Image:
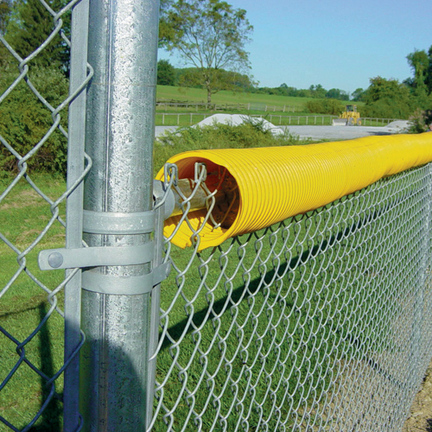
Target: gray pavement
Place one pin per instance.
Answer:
(339, 132)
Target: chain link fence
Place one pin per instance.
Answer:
(36, 342)
(320, 322)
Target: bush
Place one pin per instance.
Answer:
(325, 106)
(25, 120)
(421, 121)
(387, 108)
(246, 135)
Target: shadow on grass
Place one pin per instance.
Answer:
(51, 416)
(217, 307)
(429, 425)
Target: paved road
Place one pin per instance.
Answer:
(320, 132)
(339, 132)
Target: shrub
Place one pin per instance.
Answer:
(421, 121)
(246, 135)
(25, 120)
(387, 108)
(325, 106)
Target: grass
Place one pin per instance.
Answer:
(262, 329)
(171, 93)
(281, 110)
(23, 306)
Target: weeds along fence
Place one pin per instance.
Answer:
(187, 119)
(310, 319)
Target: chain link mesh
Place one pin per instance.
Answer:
(32, 218)
(321, 322)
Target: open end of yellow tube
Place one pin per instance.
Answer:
(212, 226)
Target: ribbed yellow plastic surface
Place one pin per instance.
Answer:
(278, 182)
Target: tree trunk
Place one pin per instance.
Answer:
(209, 92)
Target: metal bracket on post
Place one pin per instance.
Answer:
(107, 223)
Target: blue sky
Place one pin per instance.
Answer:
(335, 43)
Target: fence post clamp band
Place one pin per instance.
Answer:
(110, 223)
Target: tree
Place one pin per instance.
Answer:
(31, 27)
(166, 32)
(387, 99)
(318, 91)
(221, 79)
(210, 35)
(24, 121)
(358, 95)
(419, 63)
(335, 93)
(165, 73)
(428, 79)
(4, 15)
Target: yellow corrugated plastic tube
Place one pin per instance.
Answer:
(275, 183)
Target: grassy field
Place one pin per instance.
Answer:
(279, 110)
(170, 93)
(24, 289)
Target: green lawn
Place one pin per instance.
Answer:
(277, 317)
(170, 93)
(23, 215)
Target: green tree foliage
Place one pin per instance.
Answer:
(31, 26)
(358, 94)
(339, 94)
(419, 63)
(210, 35)
(24, 120)
(428, 78)
(4, 15)
(222, 79)
(325, 106)
(387, 99)
(167, 31)
(318, 91)
(166, 74)
(5, 11)
(314, 91)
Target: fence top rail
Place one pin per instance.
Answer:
(275, 183)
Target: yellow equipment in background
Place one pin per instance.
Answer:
(349, 117)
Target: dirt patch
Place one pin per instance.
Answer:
(25, 198)
(420, 419)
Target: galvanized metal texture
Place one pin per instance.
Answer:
(119, 139)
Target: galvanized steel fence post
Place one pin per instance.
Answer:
(76, 142)
(117, 214)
